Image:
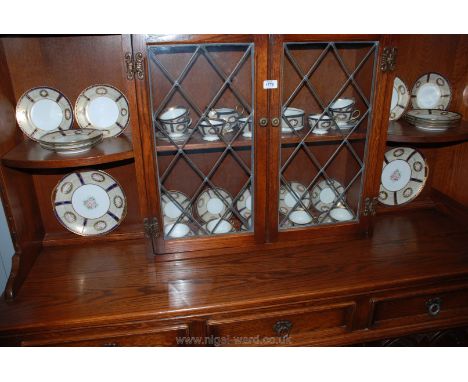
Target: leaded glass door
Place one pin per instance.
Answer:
(325, 104)
(203, 107)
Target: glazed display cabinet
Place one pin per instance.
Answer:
(305, 188)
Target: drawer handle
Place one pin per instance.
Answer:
(110, 344)
(282, 328)
(433, 306)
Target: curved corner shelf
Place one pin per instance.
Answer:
(29, 154)
(404, 132)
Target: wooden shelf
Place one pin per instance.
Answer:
(404, 132)
(29, 154)
(330, 137)
(198, 143)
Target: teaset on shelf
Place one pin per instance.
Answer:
(174, 123)
(213, 208)
(342, 114)
(45, 115)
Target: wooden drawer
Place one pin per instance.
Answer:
(281, 327)
(418, 307)
(157, 337)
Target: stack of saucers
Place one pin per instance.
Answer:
(433, 119)
(71, 141)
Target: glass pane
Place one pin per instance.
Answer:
(202, 107)
(327, 93)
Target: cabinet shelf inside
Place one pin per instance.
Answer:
(329, 137)
(29, 154)
(404, 132)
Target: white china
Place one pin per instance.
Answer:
(174, 114)
(288, 199)
(341, 214)
(300, 217)
(218, 226)
(211, 129)
(42, 110)
(245, 124)
(177, 129)
(320, 123)
(244, 204)
(173, 204)
(400, 99)
(102, 107)
(176, 230)
(324, 194)
(71, 141)
(431, 91)
(213, 205)
(292, 120)
(89, 203)
(343, 104)
(230, 116)
(433, 119)
(343, 112)
(403, 176)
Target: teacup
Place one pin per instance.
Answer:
(343, 111)
(174, 114)
(229, 115)
(176, 230)
(320, 123)
(212, 128)
(245, 124)
(176, 129)
(293, 119)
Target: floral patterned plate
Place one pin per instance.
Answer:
(89, 203)
(403, 176)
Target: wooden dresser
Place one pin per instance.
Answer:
(390, 276)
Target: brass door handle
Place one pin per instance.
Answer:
(263, 121)
(275, 122)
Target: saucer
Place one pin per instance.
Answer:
(300, 217)
(211, 205)
(341, 214)
(219, 226)
(177, 230)
(324, 194)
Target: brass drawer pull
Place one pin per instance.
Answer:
(263, 122)
(275, 122)
(433, 306)
(282, 328)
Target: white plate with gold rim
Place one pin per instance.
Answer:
(218, 226)
(89, 203)
(173, 204)
(42, 110)
(431, 91)
(403, 176)
(290, 196)
(400, 99)
(325, 193)
(177, 230)
(102, 107)
(213, 205)
(244, 204)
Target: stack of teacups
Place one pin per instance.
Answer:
(344, 112)
(175, 121)
(230, 116)
(212, 128)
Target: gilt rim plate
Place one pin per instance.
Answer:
(287, 200)
(210, 206)
(89, 203)
(244, 204)
(42, 110)
(431, 91)
(404, 175)
(400, 99)
(103, 107)
(171, 211)
(324, 194)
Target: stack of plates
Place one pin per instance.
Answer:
(71, 141)
(433, 119)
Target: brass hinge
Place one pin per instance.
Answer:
(369, 206)
(134, 66)
(388, 59)
(151, 227)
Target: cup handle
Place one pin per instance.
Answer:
(240, 110)
(355, 115)
(190, 122)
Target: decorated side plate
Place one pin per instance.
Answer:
(324, 194)
(172, 207)
(431, 91)
(102, 107)
(400, 99)
(288, 199)
(71, 141)
(42, 110)
(213, 205)
(403, 176)
(244, 204)
(89, 203)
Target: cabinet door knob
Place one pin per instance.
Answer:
(433, 306)
(275, 122)
(282, 328)
(263, 122)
